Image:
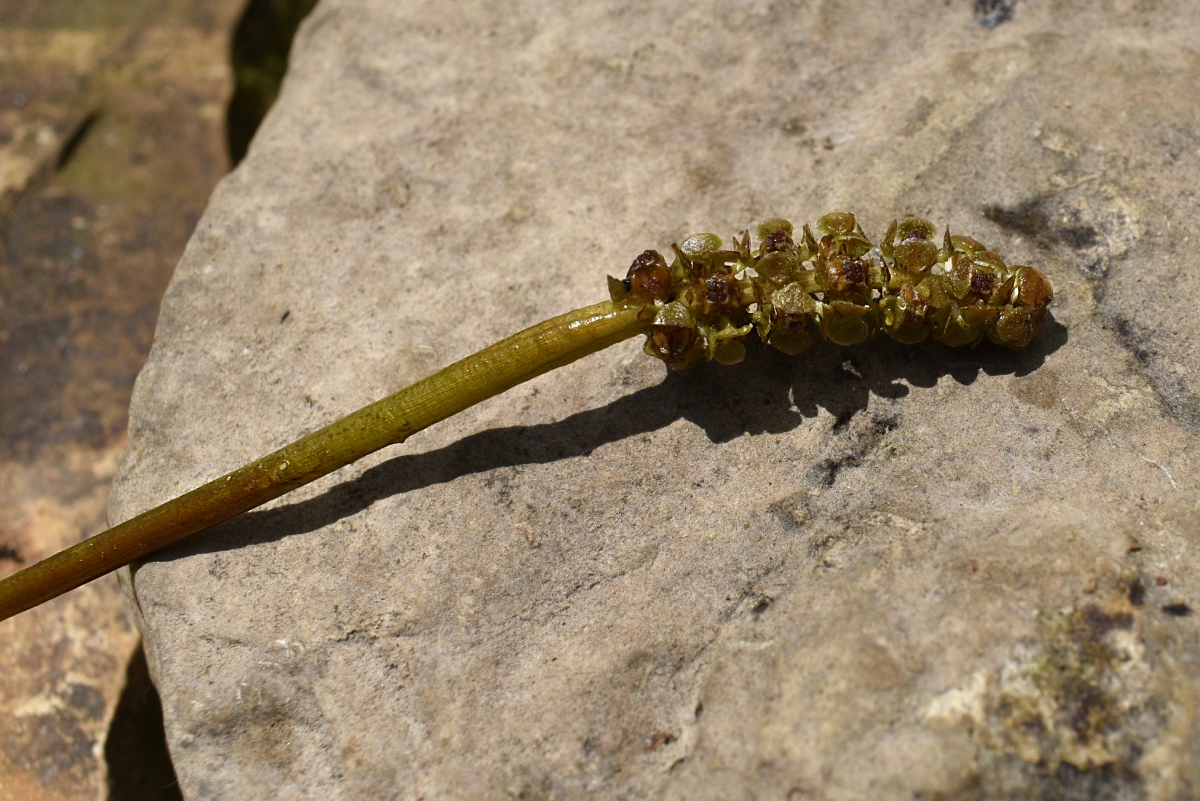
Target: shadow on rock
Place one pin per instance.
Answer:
(769, 392)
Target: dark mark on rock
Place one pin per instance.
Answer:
(992, 13)
(866, 441)
(828, 470)
(1068, 718)
(658, 740)
(1178, 401)
(1099, 622)
(85, 700)
(759, 608)
(11, 554)
(75, 139)
(1136, 592)
(794, 127)
(844, 419)
(1032, 218)
(1177, 610)
(1104, 782)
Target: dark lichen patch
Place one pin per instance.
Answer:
(658, 740)
(531, 788)
(1135, 340)
(1040, 389)
(1177, 610)
(794, 126)
(1098, 622)
(918, 117)
(1006, 776)
(1072, 713)
(993, 13)
(865, 439)
(1035, 219)
(82, 129)
(1177, 399)
(792, 511)
(51, 746)
(1135, 591)
(844, 419)
(56, 743)
(827, 471)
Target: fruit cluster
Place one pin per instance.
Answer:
(836, 283)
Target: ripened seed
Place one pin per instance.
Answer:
(775, 242)
(674, 335)
(1016, 328)
(791, 344)
(779, 268)
(791, 309)
(648, 278)
(915, 228)
(854, 272)
(672, 342)
(1033, 289)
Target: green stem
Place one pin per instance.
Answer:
(544, 347)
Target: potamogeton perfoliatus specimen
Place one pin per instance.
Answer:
(701, 305)
(839, 287)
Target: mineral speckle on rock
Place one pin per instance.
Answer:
(936, 574)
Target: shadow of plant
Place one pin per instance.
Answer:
(769, 392)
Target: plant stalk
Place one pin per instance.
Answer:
(495, 369)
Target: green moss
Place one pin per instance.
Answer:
(1069, 702)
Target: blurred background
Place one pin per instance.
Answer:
(117, 118)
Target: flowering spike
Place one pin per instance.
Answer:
(842, 289)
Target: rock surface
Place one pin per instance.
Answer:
(110, 142)
(883, 572)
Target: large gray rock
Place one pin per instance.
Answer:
(916, 573)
